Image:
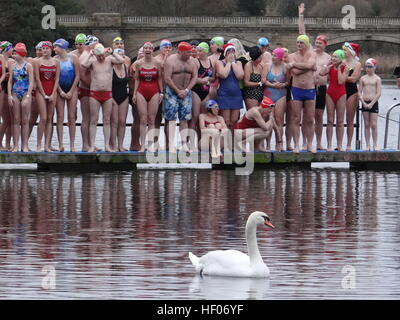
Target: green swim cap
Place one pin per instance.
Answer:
(219, 41)
(204, 46)
(80, 38)
(340, 54)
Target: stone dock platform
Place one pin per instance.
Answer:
(104, 161)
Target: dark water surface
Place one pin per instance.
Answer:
(127, 235)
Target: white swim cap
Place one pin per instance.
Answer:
(99, 49)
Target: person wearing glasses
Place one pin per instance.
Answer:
(79, 44)
(369, 94)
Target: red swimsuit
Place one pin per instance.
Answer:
(148, 84)
(48, 78)
(245, 123)
(335, 90)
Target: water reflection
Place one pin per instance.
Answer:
(127, 235)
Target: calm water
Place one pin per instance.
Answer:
(127, 235)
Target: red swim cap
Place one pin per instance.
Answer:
(47, 44)
(20, 49)
(322, 38)
(184, 46)
(267, 103)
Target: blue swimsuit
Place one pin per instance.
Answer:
(21, 81)
(229, 95)
(67, 74)
(273, 93)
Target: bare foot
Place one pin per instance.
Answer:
(321, 148)
(48, 149)
(348, 148)
(289, 148)
(62, 149)
(376, 148)
(73, 149)
(367, 148)
(312, 150)
(38, 148)
(296, 150)
(91, 150)
(142, 149)
(340, 148)
(108, 149)
(121, 149)
(304, 147)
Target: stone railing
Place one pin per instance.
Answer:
(249, 21)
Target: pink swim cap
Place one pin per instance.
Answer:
(279, 53)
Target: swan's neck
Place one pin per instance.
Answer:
(252, 247)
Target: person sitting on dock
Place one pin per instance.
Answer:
(369, 94)
(213, 128)
(255, 126)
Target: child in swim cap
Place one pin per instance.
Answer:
(370, 90)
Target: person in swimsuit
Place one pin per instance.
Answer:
(302, 66)
(6, 49)
(275, 77)
(34, 115)
(67, 91)
(213, 130)
(323, 59)
(352, 100)
(135, 130)
(47, 74)
(369, 94)
(101, 66)
(2, 93)
(84, 90)
(253, 86)
(180, 76)
(201, 90)
(255, 126)
(336, 97)
(288, 121)
(263, 44)
(120, 104)
(165, 52)
(216, 49)
(20, 84)
(80, 40)
(148, 95)
(229, 95)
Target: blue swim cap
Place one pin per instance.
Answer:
(263, 42)
(211, 104)
(61, 43)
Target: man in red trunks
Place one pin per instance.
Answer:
(101, 67)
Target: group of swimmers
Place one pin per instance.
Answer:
(202, 85)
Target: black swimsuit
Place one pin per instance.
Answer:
(351, 88)
(119, 87)
(202, 90)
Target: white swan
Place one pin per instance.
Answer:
(233, 263)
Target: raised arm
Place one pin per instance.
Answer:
(302, 26)
(87, 62)
(3, 69)
(356, 74)
(116, 58)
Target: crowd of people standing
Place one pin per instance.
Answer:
(203, 85)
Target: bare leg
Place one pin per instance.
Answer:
(351, 108)
(85, 126)
(71, 106)
(340, 112)
(135, 130)
(41, 103)
(49, 125)
(122, 114)
(60, 121)
(114, 125)
(367, 130)
(141, 103)
(107, 109)
(330, 108)
(94, 119)
(296, 108)
(25, 115)
(319, 125)
(309, 124)
(152, 111)
(16, 126)
(374, 128)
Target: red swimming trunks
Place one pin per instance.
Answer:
(82, 92)
(48, 78)
(101, 96)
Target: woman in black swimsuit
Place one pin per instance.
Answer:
(120, 104)
(352, 100)
(253, 88)
(201, 89)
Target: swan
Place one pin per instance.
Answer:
(233, 263)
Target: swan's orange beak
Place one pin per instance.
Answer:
(269, 224)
